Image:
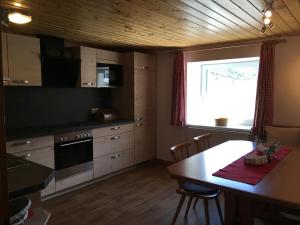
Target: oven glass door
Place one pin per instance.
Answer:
(73, 153)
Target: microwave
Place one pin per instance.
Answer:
(109, 75)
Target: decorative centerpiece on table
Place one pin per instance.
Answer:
(262, 154)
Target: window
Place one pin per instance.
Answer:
(222, 88)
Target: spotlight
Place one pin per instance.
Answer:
(19, 18)
(268, 13)
(267, 21)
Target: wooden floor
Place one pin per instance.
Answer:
(143, 196)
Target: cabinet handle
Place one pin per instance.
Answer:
(20, 81)
(115, 156)
(22, 143)
(88, 84)
(143, 67)
(115, 128)
(139, 124)
(26, 156)
(115, 138)
(139, 118)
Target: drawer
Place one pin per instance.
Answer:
(44, 156)
(122, 160)
(110, 163)
(29, 144)
(113, 143)
(112, 130)
(49, 189)
(102, 166)
(74, 180)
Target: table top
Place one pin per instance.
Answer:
(25, 177)
(280, 186)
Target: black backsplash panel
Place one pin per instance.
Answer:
(36, 106)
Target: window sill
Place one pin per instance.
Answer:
(221, 128)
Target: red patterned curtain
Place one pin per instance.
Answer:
(263, 115)
(179, 91)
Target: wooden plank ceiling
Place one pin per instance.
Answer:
(156, 23)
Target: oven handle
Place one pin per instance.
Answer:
(74, 143)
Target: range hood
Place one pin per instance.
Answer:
(59, 68)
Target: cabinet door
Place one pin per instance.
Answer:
(24, 64)
(4, 59)
(144, 94)
(144, 61)
(102, 166)
(88, 66)
(109, 57)
(145, 141)
(145, 111)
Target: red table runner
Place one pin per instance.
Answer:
(250, 174)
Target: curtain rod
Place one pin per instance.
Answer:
(277, 41)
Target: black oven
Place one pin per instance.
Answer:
(73, 153)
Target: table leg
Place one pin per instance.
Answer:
(230, 208)
(246, 211)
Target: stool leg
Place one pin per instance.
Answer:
(178, 208)
(188, 207)
(195, 203)
(206, 212)
(219, 211)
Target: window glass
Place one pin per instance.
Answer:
(222, 89)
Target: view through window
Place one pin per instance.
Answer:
(222, 88)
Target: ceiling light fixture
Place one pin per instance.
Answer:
(267, 21)
(263, 29)
(19, 18)
(267, 14)
(17, 4)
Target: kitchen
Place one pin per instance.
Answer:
(86, 112)
(95, 94)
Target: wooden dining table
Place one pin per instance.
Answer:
(280, 187)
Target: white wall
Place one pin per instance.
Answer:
(287, 83)
(286, 94)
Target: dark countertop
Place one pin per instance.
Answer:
(30, 132)
(25, 177)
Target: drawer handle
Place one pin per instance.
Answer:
(144, 67)
(139, 118)
(22, 143)
(115, 138)
(115, 128)
(115, 156)
(26, 156)
(139, 124)
(88, 83)
(20, 81)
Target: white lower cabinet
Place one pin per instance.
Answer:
(45, 157)
(49, 189)
(104, 165)
(74, 180)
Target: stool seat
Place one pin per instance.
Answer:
(19, 210)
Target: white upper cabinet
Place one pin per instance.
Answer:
(21, 60)
(109, 57)
(88, 66)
